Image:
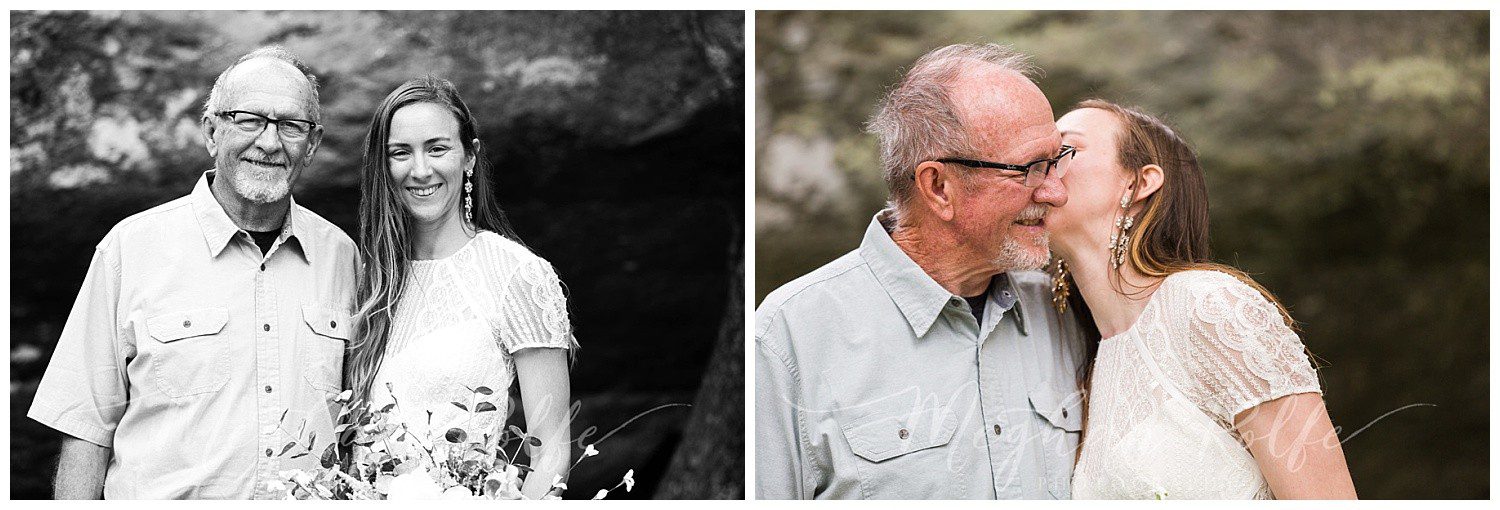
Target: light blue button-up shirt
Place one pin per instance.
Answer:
(873, 381)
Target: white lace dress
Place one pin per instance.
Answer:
(457, 326)
(1164, 393)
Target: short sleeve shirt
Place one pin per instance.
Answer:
(874, 382)
(198, 359)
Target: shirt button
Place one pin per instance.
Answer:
(997, 429)
(333, 324)
(262, 267)
(268, 390)
(1065, 413)
(268, 452)
(903, 434)
(266, 327)
(187, 324)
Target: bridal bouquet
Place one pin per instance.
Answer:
(383, 459)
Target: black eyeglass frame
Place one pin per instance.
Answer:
(229, 115)
(1026, 169)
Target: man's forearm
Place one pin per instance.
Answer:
(80, 470)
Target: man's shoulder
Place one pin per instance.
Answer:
(169, 215)
(837, 276)
(323, 230)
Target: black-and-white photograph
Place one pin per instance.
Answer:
(377, 255)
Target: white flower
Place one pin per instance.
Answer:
(629, 480)
(414, 485)
(557, 483)
(601, 494)
(589, 451)
(458, 492)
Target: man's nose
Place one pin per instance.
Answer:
(1051, 192)
(269, 140)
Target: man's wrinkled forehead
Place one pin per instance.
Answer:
(267, 75)
(999, 105)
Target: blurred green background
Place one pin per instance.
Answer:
(618, 144)
(1347, 159)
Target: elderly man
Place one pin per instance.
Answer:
(209, 331)
(928, 363)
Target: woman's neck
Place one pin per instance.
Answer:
(1114, 311)
(440, 239)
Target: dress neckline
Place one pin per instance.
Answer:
(1151, 301)
(461, 249)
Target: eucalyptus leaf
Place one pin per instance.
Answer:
(533, 441)
(330, 455)
(460, 405)
(484, 390)
(287, 448)
(456, 435)
(483, 407)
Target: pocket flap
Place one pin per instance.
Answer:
(177, 325)
(329, 323)
(1063, 407)
(886, 435)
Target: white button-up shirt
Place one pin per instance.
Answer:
(186, 345)
(874, 382)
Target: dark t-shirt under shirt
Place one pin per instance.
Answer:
(264, 239)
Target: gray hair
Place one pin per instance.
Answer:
(216, 95)
(917, 122)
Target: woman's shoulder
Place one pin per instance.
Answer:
(500, 257)
(1197, 284)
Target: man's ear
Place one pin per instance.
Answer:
(934, 189)
(1151, 180)
(314, 139)
(207, 127)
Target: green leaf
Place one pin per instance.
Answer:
(460, 405)
(456, 435)
(387, 408)
(303, 454)
(484, 390)
(286, 448)
(483, 407)
(533, 441)
(311, 438)
(282, 419)
(330, 454)
(517, 431)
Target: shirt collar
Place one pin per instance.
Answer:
(916, 294)
(219, 230)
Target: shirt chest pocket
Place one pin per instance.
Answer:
(190, 355)
(323, 339)
(1060, 410)
(896, 444)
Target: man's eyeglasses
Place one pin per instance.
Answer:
(1033, 173)
(254, 123)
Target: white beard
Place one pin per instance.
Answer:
(1018, 257)
(257, 189)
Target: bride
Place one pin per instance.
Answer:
(1198, 386)
(450, 300)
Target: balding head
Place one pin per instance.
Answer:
(267, 63)
(923, 118)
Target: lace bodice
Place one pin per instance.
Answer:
(456, 326)
(1164, 393)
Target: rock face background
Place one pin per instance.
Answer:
(1347, 159)
(618, 142)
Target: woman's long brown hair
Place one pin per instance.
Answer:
(384, 229)
(1171, 236)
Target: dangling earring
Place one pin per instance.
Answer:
(1119, 241)
(1060, 287)
(469, 196)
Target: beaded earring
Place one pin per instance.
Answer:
(1119, 241)
(469, 195)
(1060, 287)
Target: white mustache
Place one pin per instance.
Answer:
(1033, 212)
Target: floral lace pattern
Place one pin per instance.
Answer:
(1165, 392)
(457, 326)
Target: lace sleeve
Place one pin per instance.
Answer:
(1239, 351)
(533, 311)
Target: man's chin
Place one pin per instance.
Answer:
(259, 191)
